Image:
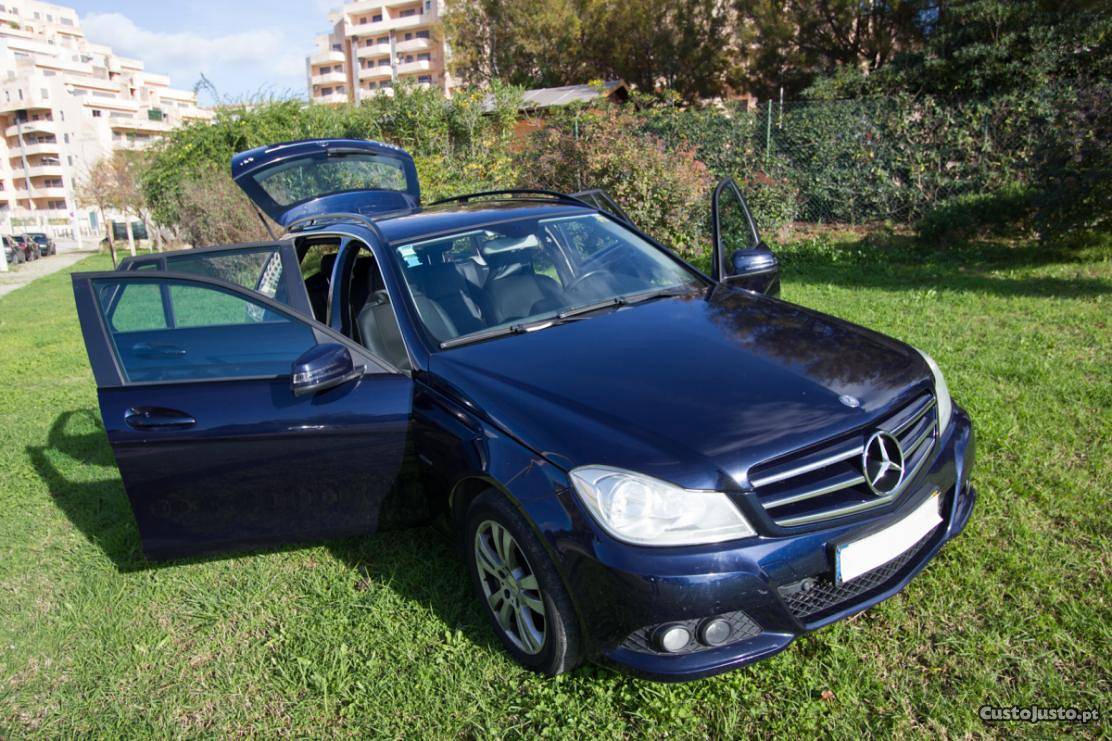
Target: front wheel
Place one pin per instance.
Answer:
(523, 594)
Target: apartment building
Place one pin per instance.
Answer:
(374, 45)
(64, 104)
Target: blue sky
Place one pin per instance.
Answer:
(244, 47)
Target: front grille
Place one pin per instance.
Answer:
(826, 481)
(742, 628)
(823, 594)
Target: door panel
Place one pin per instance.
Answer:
(215, 451)
(268, 268)
(259, 466)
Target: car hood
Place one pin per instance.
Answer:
(692, 389)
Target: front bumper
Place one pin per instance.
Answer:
(619, 589)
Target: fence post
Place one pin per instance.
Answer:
(768, 134)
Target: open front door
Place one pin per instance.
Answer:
(215, 449)
(740, 256)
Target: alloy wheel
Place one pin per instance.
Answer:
(510, 586)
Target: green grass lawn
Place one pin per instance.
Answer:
(382, 636)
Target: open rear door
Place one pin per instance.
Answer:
(268, 268)
(215, 449)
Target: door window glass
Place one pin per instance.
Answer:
(735, 229)
(170, 330)
(258, 269)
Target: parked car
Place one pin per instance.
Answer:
(676, 472)
(45, 244)
(13, 253)
(29, 249)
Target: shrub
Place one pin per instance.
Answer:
(1009, 210)
(666, 191)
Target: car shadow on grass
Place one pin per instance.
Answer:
(417, 563)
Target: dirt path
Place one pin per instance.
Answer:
(20, 275)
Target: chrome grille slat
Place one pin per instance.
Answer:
(811, 493)
(915, 418)
(799, 471)
(823, 485)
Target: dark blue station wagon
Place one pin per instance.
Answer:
(675, 472)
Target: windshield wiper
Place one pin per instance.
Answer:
(632, 298)
(486, 334)
(594, 306)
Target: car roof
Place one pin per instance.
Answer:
(453, 217)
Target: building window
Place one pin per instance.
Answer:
(426, 57)
(337, 47)
(408, 36)
(408, 58)
(425, 79)
(384, 63)
(97, 112)
(66, 138)
(362, 20)
(326, 91)
(377, 18)
(407, 12)
(384, 39)
(422, 34)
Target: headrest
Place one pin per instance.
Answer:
(440, 280)
(507, 245)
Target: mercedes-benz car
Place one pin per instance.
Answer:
(673, 471)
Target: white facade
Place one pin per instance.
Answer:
(65, 103)
(373, 45)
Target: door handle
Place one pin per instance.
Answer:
(146, 350)
(157, 418)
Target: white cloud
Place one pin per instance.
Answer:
(245, 62)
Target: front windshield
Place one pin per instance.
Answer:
(529, 270)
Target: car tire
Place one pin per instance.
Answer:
(491, 514)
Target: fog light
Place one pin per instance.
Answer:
(673, 638)
(714, 632)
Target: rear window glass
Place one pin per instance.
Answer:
(310, 177)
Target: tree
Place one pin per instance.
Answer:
(789, 43)
(128, 167)
(681, 44)
(97, 189)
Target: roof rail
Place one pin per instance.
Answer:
(523, 193)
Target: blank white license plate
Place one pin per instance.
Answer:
(851, 560)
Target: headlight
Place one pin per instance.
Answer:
(941, 392)
(646, 511)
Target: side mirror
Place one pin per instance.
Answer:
(322, 367)
(756, 269)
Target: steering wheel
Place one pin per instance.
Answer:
(575, 283)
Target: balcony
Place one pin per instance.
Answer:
(415, 67)
(42, 171)
(138, 123)
(388, 24)
(329, 78)
(30, 148)
(414, 45)
(374, 50)
(326, 57)
(376, 73)
(55, 192)
(332, 99)
(31, 127)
